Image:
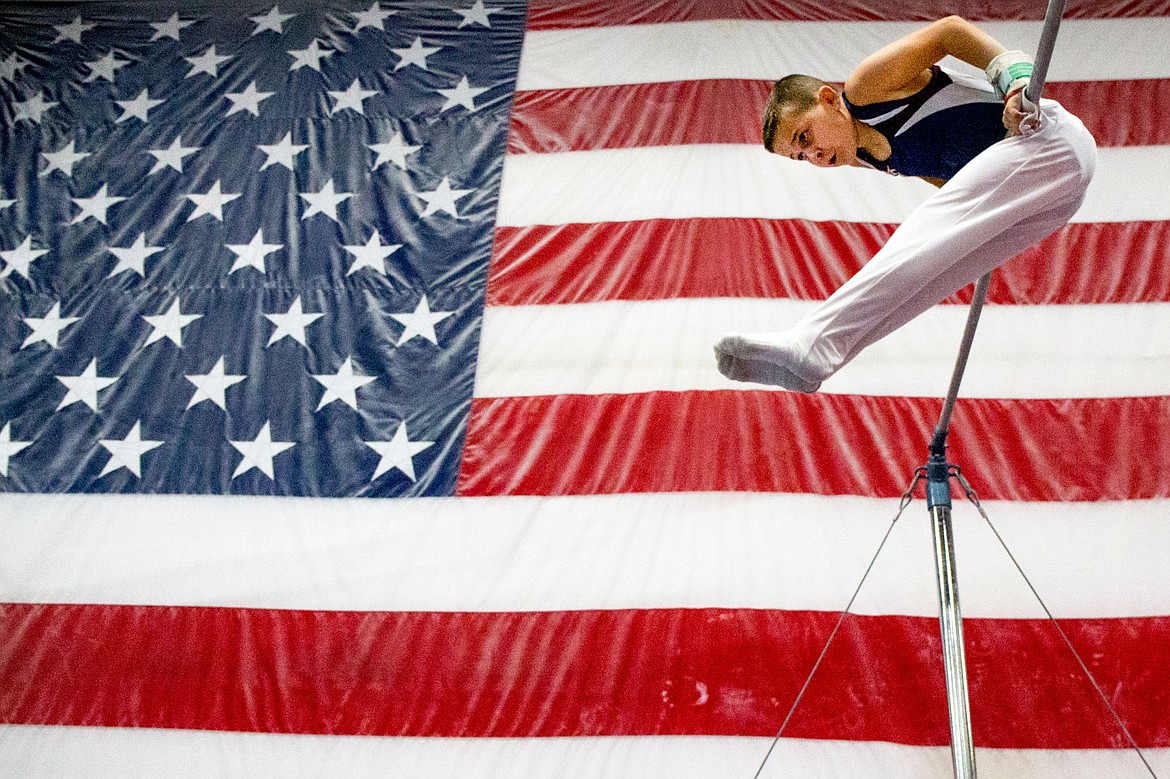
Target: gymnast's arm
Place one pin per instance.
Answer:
(901, 68)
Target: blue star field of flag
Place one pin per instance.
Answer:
(243, 247)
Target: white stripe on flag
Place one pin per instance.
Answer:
(84, 753)
(1089, 50)
(652, 550)
(731, 180)
(1103, 350)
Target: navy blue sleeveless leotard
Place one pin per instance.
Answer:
(937, 130)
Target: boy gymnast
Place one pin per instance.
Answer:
(903, 114)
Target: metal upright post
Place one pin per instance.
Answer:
(938, 476)
(1044, 51)
(938, 501)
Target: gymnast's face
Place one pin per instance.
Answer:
(823, 135)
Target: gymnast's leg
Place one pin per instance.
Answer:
(767, 369)
(1013, 195)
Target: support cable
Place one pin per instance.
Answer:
(907, 497)
(971, 496)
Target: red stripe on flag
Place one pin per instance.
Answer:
(729, 672)
(669, 113)
(1050, 450)
(672, 258)
(1094, 102)
(699, 258)
(555, 14)
(729, 111)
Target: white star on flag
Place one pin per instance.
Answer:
(4, 203)
(170, 324)
(463, 94)
(133, 257)
(281, 153)
(172, 156)
(33, 108)
(394, 150)
(207, 62)
(127, 452)
(104, 67)
(259, 452)
(420, 322)
(251, 254)
(415, 55)
(8, 447)
(47, 328)
(72, 31)
(351, 98)
(310, 57)
(20, 258)
(373, 16)
(342, 385)
(12, 65)
(371, 255)
(170, 28)
(273, 20)
(211, 202)
(397, 453)
(476, 14)
(443, 198)
(248, 100)
(291, 324)
(138, 108)
(210, 386)
(95, 206)
(84, 388)
(63, 159)
(324, 202)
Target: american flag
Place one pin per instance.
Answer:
(359, 417)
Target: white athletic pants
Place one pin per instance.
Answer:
(1010, 197)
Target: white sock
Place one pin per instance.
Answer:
(763, 361)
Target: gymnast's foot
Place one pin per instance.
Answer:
(743, 358)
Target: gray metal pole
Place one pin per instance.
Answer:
(954, 658)
(950, 617)
(938, 491)
(944, 419)
(1031, 95)
(1044, 51)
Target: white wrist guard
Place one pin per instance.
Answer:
(1009, 71)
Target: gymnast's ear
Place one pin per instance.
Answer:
(826, 94)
